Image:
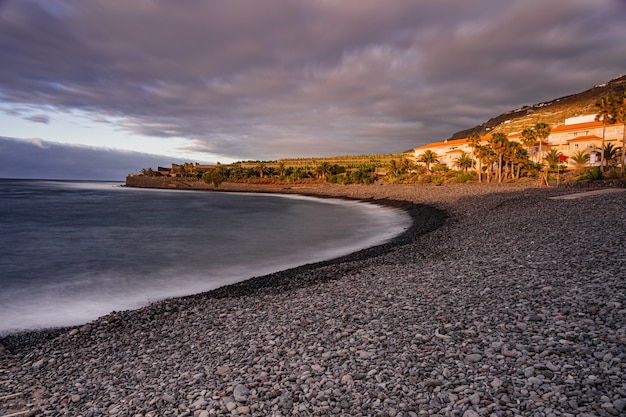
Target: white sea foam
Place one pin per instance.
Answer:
(72, 252)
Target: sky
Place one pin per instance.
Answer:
(125, 85)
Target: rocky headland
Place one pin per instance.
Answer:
(500, 301)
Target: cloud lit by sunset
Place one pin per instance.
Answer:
(233, 80)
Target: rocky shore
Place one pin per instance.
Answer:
(499, 302)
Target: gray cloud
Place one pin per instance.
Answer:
(38, 159)
(278, 78)
(39, 118)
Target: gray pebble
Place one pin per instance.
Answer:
(503, 309)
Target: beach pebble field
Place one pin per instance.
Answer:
(500, 301)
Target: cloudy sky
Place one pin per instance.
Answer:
(166, 81)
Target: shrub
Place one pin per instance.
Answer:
(533, 169)
(440, 168)
(419, 169)
(592, 174)
(438, 180)
(464, 177)
(213, 176)
(332, 178)
(423, 179)
(613, 173)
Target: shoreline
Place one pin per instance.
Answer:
(434, 209)
(424, 219)
(435, 213)
(513, 306)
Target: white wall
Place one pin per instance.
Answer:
(580, 119)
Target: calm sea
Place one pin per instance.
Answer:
(73, 251)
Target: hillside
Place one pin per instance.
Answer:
(347, 160)
(553, 112)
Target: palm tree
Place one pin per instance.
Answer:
(512, 156)
(605, 111)
(282, 170)
(508, 159)
(481, 153)
(428, 157)
(520, 157)
(393, 168)
(405, 164)
(529, 138)
(261, 168)
(464, 161)
(488, 157)
(553, 157)
(322, 169)
(147, 172)
(542, 131)
(499, 143)
(619, 116)
(610, 153)
(580, 158)
(473, 140)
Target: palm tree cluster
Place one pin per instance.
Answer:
(503, 158)
(536, 136)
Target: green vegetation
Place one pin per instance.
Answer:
(149, 172)
(553, 158)
(429, 157)
(215, 176)
(361, 169)
(611, 154)
(464, 161)
(593, 174)
(580, 158)
(499, 159)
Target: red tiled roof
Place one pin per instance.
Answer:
(577, 126)
(453, 142)
(584, 138)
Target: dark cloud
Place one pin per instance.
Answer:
(39, 118)
(37, 159)
(277, 78)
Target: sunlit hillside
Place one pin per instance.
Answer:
(553, 112)
(346, 160)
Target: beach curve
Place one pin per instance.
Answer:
(479, 315)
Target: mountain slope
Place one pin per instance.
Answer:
(553, 112)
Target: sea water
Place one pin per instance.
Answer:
(73, 251)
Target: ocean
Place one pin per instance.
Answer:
(73, 251)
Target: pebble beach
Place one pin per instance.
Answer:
(501, 300)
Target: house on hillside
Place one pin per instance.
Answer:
(581, 133)
(585, 136)
(447, 151)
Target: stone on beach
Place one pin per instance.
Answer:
(513, 306)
